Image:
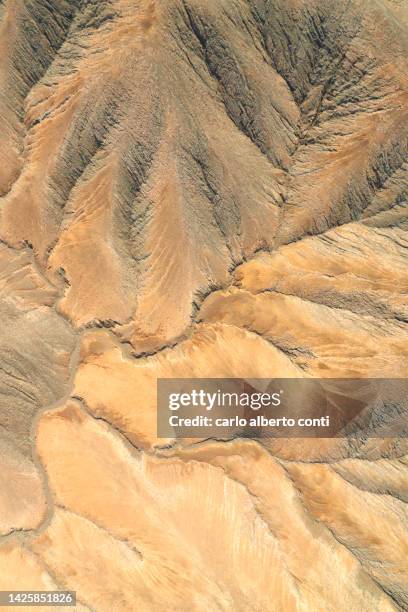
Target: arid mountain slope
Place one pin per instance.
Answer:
(199, 188)
(165, 142)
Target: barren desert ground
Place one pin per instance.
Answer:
(200, 189)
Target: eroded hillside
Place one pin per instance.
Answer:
(199, 188)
